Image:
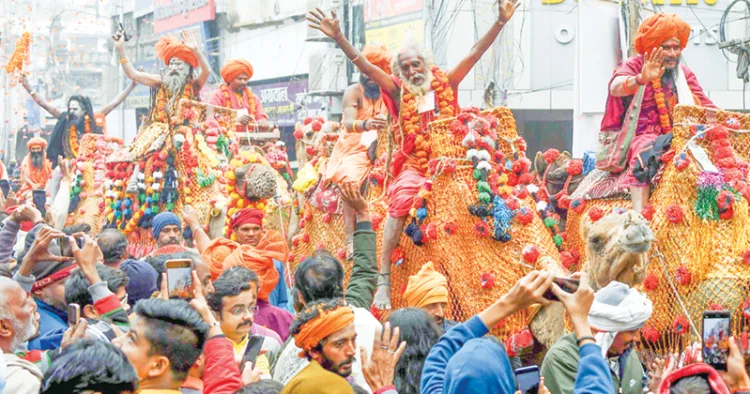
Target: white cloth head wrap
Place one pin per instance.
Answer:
(617, 308)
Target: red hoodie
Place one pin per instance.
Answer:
(714, 379)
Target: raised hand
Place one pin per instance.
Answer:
(736, 375)
(25, 83)
(529, 290)
(64, 169)
(329, 26)
(26, 213)
(86, 255)
(351, 196)
(39, 250)
(380, 368)
(652, 65)
(507, 8)
(189, 40)
(119, 39)
(190, 216)
(74, 334)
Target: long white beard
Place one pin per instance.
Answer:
(176, 84)
(419, 91)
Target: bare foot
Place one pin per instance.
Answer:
(383, 296)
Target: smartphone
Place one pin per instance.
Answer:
(716, 336)
(40, 200)
(127, 36)
(180, 278)
(569, 285)
(5, 187)
(527, 379)
(74, 314)
(252, 350)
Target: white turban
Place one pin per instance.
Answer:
(617, 308)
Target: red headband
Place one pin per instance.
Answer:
(247, 216)
(56, 277)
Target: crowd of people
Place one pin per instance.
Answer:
(128, 334)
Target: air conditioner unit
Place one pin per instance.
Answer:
(326, 6)
(327, 72)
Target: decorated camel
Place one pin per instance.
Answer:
(475, 220)
(698, 213)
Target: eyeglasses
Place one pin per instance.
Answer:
(239, 312)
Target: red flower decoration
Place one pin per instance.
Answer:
(681, 161)
(531, 253)
(481, 229)
(595, 214)
(746, 257)
(746, 309)
(376, 220)
(430, 231)
(341, 253)
(317, 125)
(668, 156)
(715, 307)
(449, 166)
(525, 216)
(327, 217)
(577, 205)
(650, 334)
(498, 157)
(564, 202)
(375, 312)
(569, 259)
(675, 214)
(525, 178)
(308, 120)
(487, 280)
(648, 212)
(574, 167)
(512, 203)
(681, 325)
(683, 275)
(651, 282)
(450, 228)
(521, 165)
(550, 155)
(520, 192)
(306, 238)
(397, 255)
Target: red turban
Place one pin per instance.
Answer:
(235, 67)
(247, 216)
(169, 47)
(249, 257)
(659, 28)
(36, 142)
(378, 56)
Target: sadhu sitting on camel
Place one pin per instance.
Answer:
(235, 94)
(417, 94)
(659, 43)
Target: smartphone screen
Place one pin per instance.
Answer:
(40, 200)
(5, 187)
(179, 278)
(716, 337)
(528, 380)
(569, 285)
(254, 345)
(74, 314)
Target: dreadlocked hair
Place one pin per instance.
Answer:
(312, 311)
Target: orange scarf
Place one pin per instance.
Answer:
(38, 176)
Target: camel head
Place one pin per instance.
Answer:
(556, 173)
(315, 139)
(617, 247)
(257, 180)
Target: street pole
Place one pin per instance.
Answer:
(120, 76)
(634, 9)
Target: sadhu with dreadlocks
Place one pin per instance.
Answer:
(79, 119)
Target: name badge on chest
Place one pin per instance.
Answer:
(427, 103)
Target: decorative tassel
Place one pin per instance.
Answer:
(502, 216)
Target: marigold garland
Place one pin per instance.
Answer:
(19, 54)
(250, 100)
(661, 106)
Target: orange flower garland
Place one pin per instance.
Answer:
(160, 115)
(415, 127)
(661, 106)
(19, 54)
(248, 93)
(73, 134)
(236, 201)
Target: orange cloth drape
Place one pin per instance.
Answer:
(658, 28)
(317, 329)
(169, 47)
(259, 259)
(426, 287)
(235, 67)
(216, 253)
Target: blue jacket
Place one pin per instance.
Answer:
(51, 321)
(593, 372)
(464, 362)
(279, 296)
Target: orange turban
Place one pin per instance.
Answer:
(169, 47)
(215, 254)
(319, 328)
(36, 142)
(378, 56)
(235, 67)
(659, 28)
(250, 257)
(426, 287)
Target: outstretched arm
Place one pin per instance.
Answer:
(330, 26)
(191, 43)
(458, 73)
(119, 99)
(141, 77)
(51, 109)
